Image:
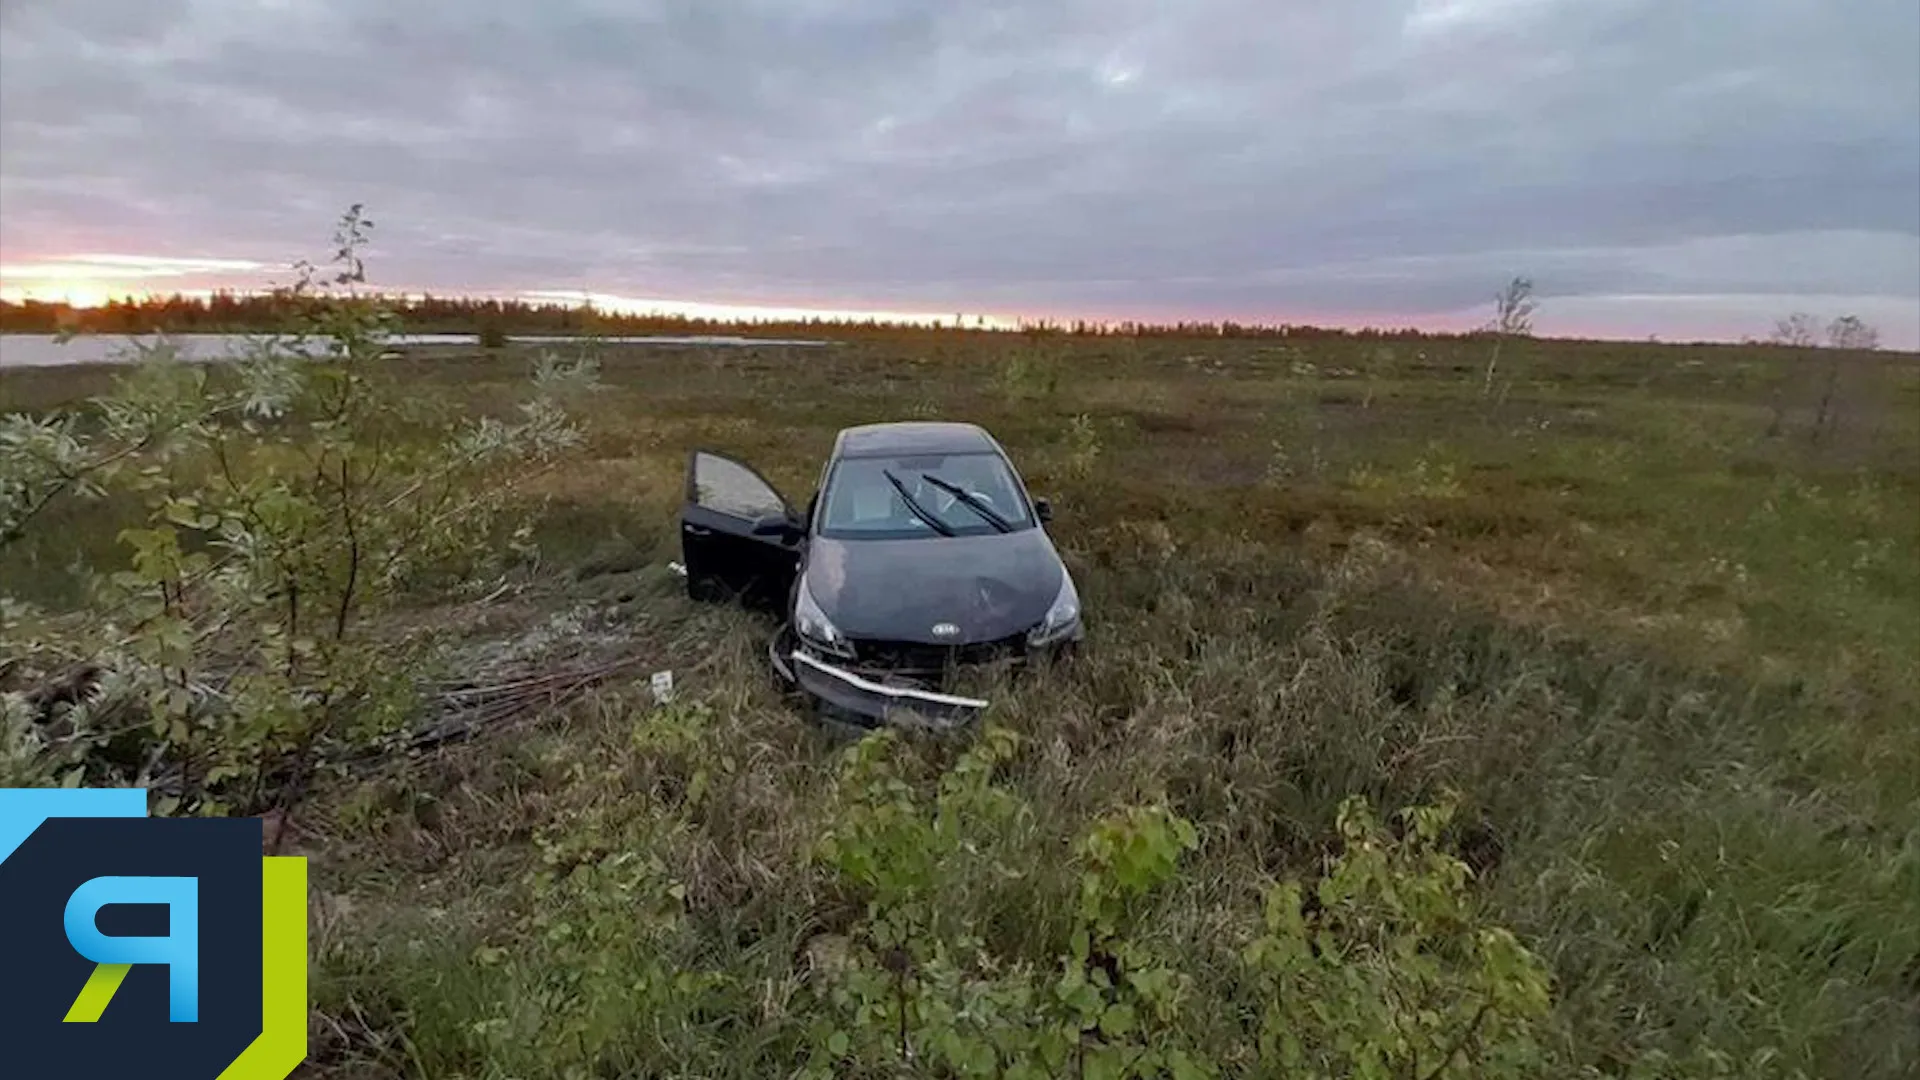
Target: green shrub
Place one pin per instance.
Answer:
(1383, 970)
(1388, 973)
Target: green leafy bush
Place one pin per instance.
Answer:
(1381, 970)
(1387, 973)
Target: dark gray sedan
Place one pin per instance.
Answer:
(920, 552)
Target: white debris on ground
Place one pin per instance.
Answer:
(601, 622)
(581, 632)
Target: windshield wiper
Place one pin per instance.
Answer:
(919, 511)
(972, 502)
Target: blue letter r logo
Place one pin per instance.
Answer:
(179, 950)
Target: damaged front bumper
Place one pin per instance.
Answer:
(869, 698)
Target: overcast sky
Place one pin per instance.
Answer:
(1677, 168)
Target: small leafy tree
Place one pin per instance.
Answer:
(1850, 332)
(1513, 309)
(1795, 331)
(1082, 438)
(1844, 334)
(287, 500)
(1847, 333)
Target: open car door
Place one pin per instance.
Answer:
(739, 538)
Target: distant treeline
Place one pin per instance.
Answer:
(246, 313)
(223, 312)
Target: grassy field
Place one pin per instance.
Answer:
(1648, 616)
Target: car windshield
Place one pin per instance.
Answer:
(922, 495)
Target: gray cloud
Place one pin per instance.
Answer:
(1371, 159)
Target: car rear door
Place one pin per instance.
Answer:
(727, 559)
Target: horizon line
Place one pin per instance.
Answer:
(743, 315)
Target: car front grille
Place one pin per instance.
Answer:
(917, 658)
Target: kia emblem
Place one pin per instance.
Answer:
(945, 629)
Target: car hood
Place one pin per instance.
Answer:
(990, 586)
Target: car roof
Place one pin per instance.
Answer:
(913, 437)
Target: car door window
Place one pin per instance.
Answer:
(728, 487)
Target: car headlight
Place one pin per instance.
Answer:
(815, 628)
(1063, 618)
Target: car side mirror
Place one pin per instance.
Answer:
(1043, 509)
(780, 526)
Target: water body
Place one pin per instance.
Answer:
(44, 350)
